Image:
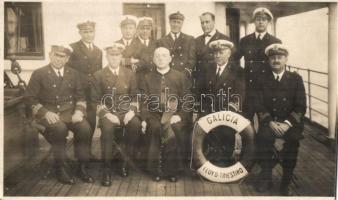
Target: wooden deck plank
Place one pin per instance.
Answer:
(161, 187)
(114, 188)
(152, 186)
(143, 185)
(124, 186)
(134, 184)
(55, 190)
(179, 187)
(198, 185)
(48, 187)
(64, 190)
(315, 170)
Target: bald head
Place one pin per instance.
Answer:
(162, 57)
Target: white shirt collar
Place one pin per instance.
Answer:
(212, 33)
(163, 71)
(88, 44)
(221, 67)
(57, 71)
(280, 75)
(142, 40)
(115, 71)
(262, 34)
(173, 35)
(125, 41)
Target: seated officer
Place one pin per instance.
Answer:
(58, 102)
(225, 81)
(281, 107)
(163, 116)
(112, 86)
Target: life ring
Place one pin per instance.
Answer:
(243, 127)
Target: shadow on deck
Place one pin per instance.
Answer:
(315, 174)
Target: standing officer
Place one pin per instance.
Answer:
(181, 46)
(225, 81)
(58, 102)
(86, 59)
(128, 29)
(163, 116)
(114, 94)
(145, 46)
(281, 108)
(252, 48)
(204, 54)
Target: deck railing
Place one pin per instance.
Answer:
(310, 73)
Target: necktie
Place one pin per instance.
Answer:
(259, 36)
(90, 47)
(127, 43)
(206, 38)
(218, 73)
(175, 36)
(59, 75)
(277, 78)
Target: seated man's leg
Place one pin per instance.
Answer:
(289, 157)
(264, 147)
(154, 159)
(82, 141)
(175, 156)
(132, 134)
(108, 130)
(56, 135)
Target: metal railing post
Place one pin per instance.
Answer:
(309, 92)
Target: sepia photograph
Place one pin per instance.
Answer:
(160, 98)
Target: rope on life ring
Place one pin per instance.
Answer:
(243, 127)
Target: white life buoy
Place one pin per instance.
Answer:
(243, 127)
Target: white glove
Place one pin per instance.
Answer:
(174, 119)
(113, 118)
(77, 116)
(129, 115)
(52, 117)
(144, 126)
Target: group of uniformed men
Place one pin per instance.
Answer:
(70, 92)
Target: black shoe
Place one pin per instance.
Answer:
(284, 191)
(264, 186)
(172, 178)
(63, 176)
(124, 169)
(106, 178)
(83, 174)
(157, 178)
(124, 172)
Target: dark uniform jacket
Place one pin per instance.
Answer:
(86, 62)
(283, 100)
(205, 55)
(231, 81)
(132, 50)
(144, 54)
(120, 88)
(256, 62)
(154, 85)
(46, 92)
(183, 52)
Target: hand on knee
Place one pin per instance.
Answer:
(112, 118)
(175, 119)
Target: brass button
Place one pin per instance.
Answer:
(274, 99)
(57, 97)
(54, 85)
(58, 106)
(250, 81)
(284, 99)
(274, 109)
(250, 70)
